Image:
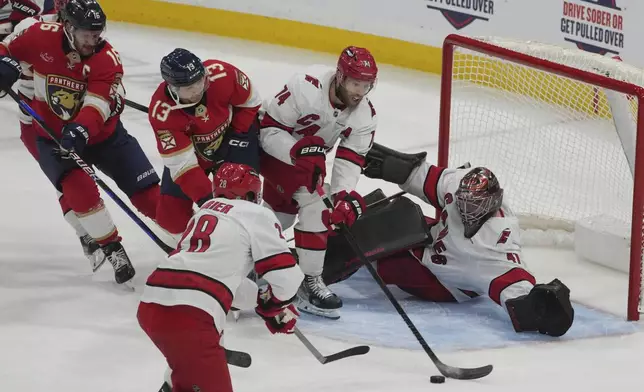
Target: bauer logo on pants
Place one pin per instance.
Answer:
(64, 95)
(460, 13)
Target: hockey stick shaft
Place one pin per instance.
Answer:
(236, 358)
(90, 171)
(353, 351)
(321, 358)
(137, 106)
(447, 371)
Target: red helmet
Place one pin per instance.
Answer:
(357, 63)
(237, 181)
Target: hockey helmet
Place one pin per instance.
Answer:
(83, 14)
(357, 63)
(186, 76)
(237, 181)
(182, 68)
(478, 197)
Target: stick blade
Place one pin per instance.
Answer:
(353, 351)
(464, 373)
(238, 358)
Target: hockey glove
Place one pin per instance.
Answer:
(279, 316)
(75, 138)
(117, 106)
(10, 71)
(309, 155)
(347, 209)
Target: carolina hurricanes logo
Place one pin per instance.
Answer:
(503, 238)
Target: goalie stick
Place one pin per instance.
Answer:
(445, 370)
(374, 204)
(235, 358)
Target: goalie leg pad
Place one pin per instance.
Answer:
(399, 225)
(546, 309)
(391, 165)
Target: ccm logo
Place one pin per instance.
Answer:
(312, 150)
(238, 143)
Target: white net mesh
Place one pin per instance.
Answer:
(552, 141)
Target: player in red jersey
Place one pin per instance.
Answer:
(203, 114)
(78, 93)
(29, 134)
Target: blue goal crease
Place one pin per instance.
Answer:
(367, 317)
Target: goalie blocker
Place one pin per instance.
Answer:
(395, 235)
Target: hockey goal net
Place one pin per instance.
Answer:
(559, 128)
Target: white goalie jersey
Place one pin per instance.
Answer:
(303, 108)
(490, 263)
(221, 245)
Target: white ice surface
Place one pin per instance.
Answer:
(62, 329)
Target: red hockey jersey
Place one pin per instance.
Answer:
(188, 139)
(67, 87)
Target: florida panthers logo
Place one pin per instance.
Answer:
(64, 96)
(208, 145)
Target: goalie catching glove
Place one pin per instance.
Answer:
(279, 316)
(391, 165)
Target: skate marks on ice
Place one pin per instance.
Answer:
(368, 318)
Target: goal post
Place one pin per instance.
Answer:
(560, 129)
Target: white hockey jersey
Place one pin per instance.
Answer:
(490, 263)
(303, 108)
(221, 245)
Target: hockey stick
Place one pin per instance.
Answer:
(374, 204)
(236, 358)
(350, 352)
(88, 169)
(358, 350)
(137, 106)
(446, 370)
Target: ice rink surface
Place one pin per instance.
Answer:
(64, 329)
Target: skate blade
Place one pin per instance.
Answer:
(332, 314)
(97, 262)
(128, 286)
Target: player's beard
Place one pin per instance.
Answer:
(350, 100)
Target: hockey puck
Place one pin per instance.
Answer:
(437, 379)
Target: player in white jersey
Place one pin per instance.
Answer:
(28, 134)
(186, 299)
(12, 12)
(473, 247)
(300, 124)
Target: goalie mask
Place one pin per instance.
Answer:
(478, 197)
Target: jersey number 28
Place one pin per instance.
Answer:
(199, 233)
